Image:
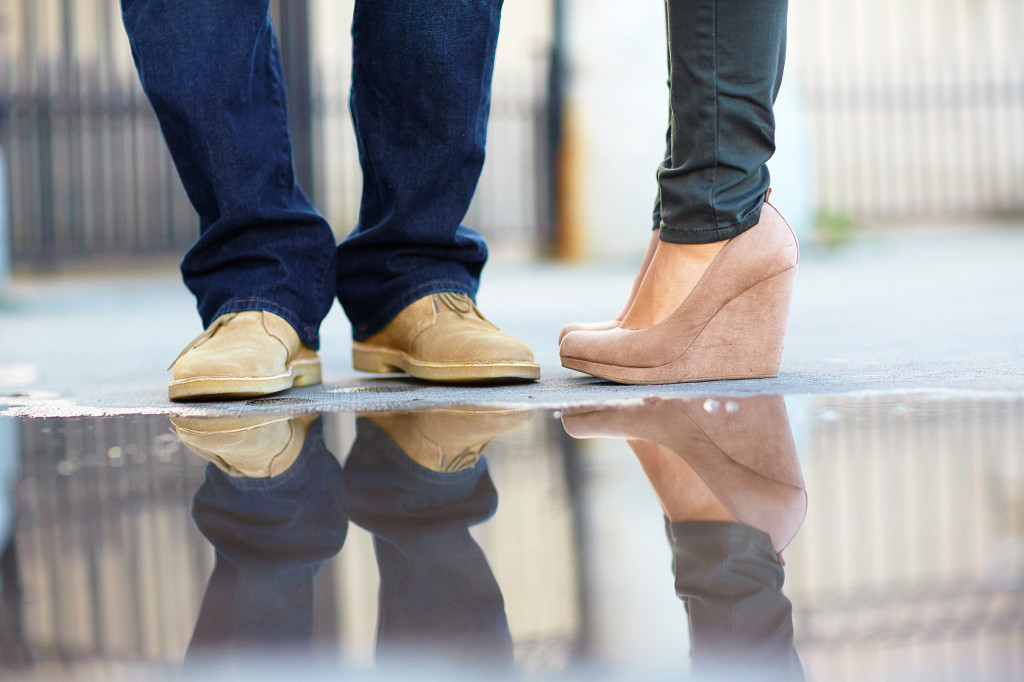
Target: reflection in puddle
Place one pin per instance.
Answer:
(542, 543)
(729, 483)
(278, 505)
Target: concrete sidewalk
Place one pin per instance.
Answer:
(931, 309)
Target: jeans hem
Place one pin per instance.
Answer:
(364, 330)
(309, 336)
(677, 235)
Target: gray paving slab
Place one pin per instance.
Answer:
(928, 309)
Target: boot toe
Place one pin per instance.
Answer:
(242, 355)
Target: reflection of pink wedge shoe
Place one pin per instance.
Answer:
(730, 327)
(742, 449)
(612, 324)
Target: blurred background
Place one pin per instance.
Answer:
(891, 114)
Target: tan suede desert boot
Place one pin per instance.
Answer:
(243, 355)
(448, 440)
(443, 337)
(246, 447)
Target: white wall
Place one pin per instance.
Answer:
(617, 101)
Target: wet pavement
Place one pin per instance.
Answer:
(828, 537)
(931, 310)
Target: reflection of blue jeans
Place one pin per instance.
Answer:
(270, 537)
(420, 100)
(438, 595)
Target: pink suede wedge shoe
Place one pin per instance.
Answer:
(731, 326)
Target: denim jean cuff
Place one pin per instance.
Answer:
(364, 330)
(309, 335)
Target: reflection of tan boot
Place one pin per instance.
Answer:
(246, 447)
(243, 355)
(742, 449)
(443, 337)
(447, 440)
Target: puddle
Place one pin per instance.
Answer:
(823, 538)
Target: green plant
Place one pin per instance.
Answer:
(833, 228)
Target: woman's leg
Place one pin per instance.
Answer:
(725, 67)
(714, 301)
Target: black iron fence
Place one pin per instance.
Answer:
(87, 169)
(916, 107)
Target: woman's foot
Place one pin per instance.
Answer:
(674, 271)
(708, 312)
(652, 245)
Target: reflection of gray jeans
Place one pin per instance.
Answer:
(741, 625)
(10, 464)
(725, 69)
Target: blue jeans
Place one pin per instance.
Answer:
(420, 101)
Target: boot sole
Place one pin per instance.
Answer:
(383, 360)
(301, 373)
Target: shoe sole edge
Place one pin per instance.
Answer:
(302, 373)
(380, 360)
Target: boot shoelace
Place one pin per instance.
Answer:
(464, 460)
(460, 304)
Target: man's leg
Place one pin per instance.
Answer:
(212, 72)
(421, 91)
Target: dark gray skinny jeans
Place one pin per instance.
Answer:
(725, 68)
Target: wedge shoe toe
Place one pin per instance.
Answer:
(587, 327)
